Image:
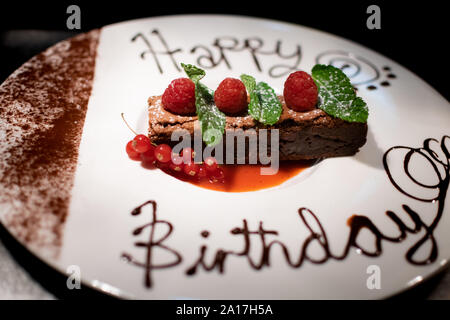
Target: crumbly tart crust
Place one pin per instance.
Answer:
(43, 106)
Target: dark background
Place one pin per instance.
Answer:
(412, 34)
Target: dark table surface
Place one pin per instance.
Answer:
(23, 276)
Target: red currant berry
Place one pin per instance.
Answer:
(231, 96)
(191, 169)
(148, 156)
(210, 164)
(217, 175)
(132, 154)
(300, 91)
(202, 173)
(163, 153)
(176, 158)
(176, 167)
(179, 97)
(176, 163)
(141, 143)
(188, 155)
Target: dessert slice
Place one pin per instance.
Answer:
(318, 115)
(244, 122)
(302, 135)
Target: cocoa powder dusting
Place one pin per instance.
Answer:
(42, 110)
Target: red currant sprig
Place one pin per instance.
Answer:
(142, 149)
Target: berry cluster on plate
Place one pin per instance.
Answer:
(161, 156)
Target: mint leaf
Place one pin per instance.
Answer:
(194, 73)
(212, 121)
(249, 83)
(264, 105)
(270, 104)
(336, 94)
(254, 107)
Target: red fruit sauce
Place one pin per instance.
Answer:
(246, 177)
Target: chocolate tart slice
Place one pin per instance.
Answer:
(303, 135)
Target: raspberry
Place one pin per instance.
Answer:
(300, 91)
(179, 97)
(231, 96)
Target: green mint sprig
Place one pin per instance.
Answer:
(336, 94)
(212, 121)
(254, 106)
(264, 105)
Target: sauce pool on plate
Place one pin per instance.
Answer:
(248, 177)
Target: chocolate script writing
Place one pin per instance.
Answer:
(219, 53)
(435, 154)
(152, 243)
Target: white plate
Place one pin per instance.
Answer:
(404, 111)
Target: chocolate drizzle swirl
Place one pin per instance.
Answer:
(360, 70)
(354, 65)
(435, 159)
